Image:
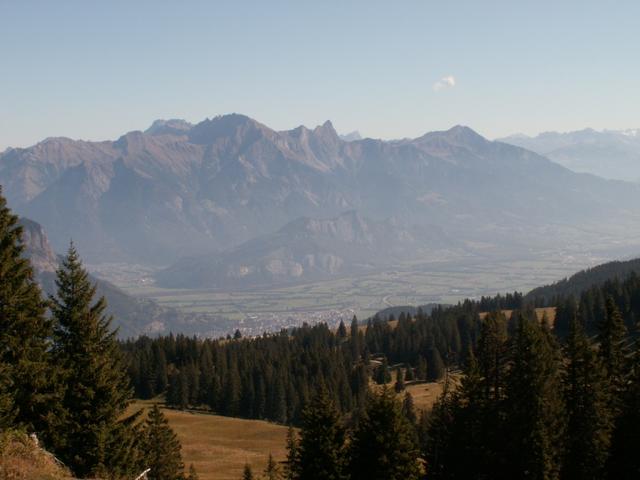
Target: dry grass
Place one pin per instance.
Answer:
(22, 459)
(424, 394)
(219, 447)
(550, 313)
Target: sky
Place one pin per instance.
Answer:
(95, 70)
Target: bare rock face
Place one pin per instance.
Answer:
(305, 249)
(37, 247)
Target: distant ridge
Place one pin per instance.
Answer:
(352, 136)
(182, 190)
(585, 279)
(613, 154)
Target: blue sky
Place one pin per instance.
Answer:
(94, 70)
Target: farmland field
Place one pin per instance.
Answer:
(254, 311)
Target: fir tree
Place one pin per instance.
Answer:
(161, 448)
(534, 404)
(383, 376)
(271, 471)
(321, 449)
(27, 390)
(342, 330)
(624, 461)
(589, 422)
(383, 446)
(611, 337)
(247, 473)
(97, 389)
(421, 369)
(399, 385)
(291, 467)
(193, 474)
(435, 365)
(356, 343)
(409, 409)
(409, 374)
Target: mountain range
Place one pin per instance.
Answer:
(249, 202)
(613, 154)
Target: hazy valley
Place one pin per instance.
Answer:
(228, 223)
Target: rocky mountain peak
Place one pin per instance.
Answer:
(174, 126)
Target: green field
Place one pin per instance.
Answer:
(409, 284)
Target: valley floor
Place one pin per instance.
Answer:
(270, 309)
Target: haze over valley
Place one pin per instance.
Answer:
(227, 220)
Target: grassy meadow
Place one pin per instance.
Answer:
(219, 447)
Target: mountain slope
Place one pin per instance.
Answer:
(305, 249)
(585, 279)
(181, 190)
(132, 316)
(613, 154)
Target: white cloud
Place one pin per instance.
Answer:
(445, 82)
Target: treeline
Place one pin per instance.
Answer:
(582, 281)
(592, 304)
(274, 376)
(62, 374)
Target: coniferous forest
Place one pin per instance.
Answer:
(523, 397)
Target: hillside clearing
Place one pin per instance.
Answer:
(219, 447)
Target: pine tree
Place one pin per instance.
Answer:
(421, 370)
(624, 461)
(589, 421)
(342, 330)
(436, 436)
(356, 343)
(383, 376)
(611, 337)
(7, 407)
(193, 474)
(492, 355)
(321, 450)
(271, 471)
(97, 389)
(247, 473)
(27, 390)
(291, 467)
(534, 404)
(409, 409)
(464, 425)
(399, 385)
(383, 446)
(435, 365)
(409, 374)
(161, 448)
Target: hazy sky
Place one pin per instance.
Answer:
(94, 70)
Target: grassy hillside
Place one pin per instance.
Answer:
(22, 459)
(219, 447)
(424, 394)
